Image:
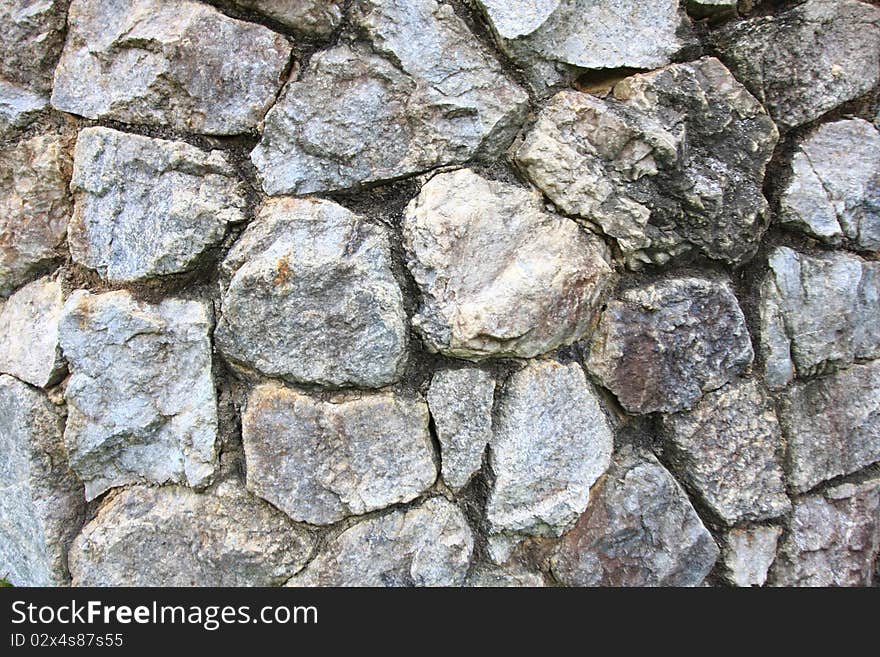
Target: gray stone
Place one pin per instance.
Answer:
(804, 62)
(748, 553)
(150, 62)
(141, 401)
(173, 536)
(41, 500)
(18, 107)
(662, 345)
(312, 298)
(425, 94)
(320, 461)
(427, 545)
(639, 530)
(499, 276)
(834, 191)
(672, 161)
(29, 347)
(510, 576)
(832, 424)
(711, 8)
(31, 37)
(315, 18)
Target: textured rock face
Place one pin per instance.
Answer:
(157, 63)
(18, 107)
(673, 161)
(31, 37)
(428, 545)
(834, 192)
(173, 536)
(312, 298)
(322, 461)
(711, 8)
(141, 402)
(817, 313)
(498, 275)
(425, 94)
(661, 345)
(806, 61)
(511, 576)
(41, 500)
(316, 18)
(748, 554)
(148, 207)
(639, 530)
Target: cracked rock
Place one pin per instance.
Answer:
(748, 553)
(141, 400)
(311, 298)
(157, 63)
(510, 576)
(321, 461)
(315, 18)
(31, 37)
(499, 276)
(18, 107)
(672, 161)
(662, 345)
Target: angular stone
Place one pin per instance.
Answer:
(510, 576)
(148, 207)
(18, 107)
(552, 442)
(639, 530)
(41, 500)
(672, 161)
(428, 545)
(31, 37)
(834, 192)
(662, 345)
(499, 276)
(312, 298)
(748, 553)
(316, 18)
(818, 313)
(461, 406)
(150, 62)
(729, 450)
(832, 425)
(320, 461)
(802, 63)
(29, 348)
(35, 206)
(425, 94)
(711, 8)
(140, 398)
(173, 536)
(833, 538)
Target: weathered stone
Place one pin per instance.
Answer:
(499, 276)
(428, 545)
(639, 530)
(818, 313)
(316, 18)
(748, 553)
(662, 345)
(35, 206)
(18, 107)
(425, 95)
(834, 192)
(173, 536)
(320, 461)
(808, 60)
(711, 8)
(29, 347)
(833, 538)
(150, 62)
(673, 161)
(728, 449)
(312, 298)
(140, 398)
(148, 207)
(41, 500)
(31, 37)
(511, 575)
(832, 424)
(551, 443)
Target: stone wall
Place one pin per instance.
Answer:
(408, 292)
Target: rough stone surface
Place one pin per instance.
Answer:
(509, 576)
(748, 553)
(639, 530)
(148, 207)
(31, 37)
(151, 62)
(425, 94)
(499, 276)
(804, 62)
(312, 298)
(41, 500)
(427, 545)
(18, 107)
(321, 461)
(173, 536)
(461, 407)
(315, 18)
(711, 8)
(672, 161)
(662, 345)
(140, 398)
